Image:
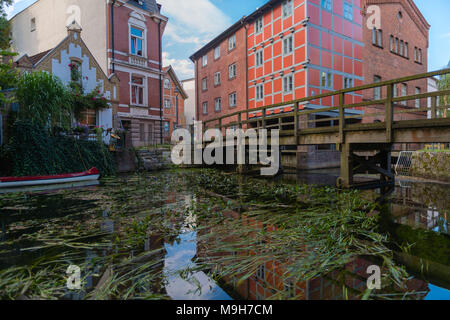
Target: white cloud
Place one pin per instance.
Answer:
(184, 68)
(193, 21)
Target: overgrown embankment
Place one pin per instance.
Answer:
(431, 165)
(33, 150)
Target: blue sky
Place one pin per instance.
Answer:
(195, 22)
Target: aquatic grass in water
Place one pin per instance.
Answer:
(116, 234)
(310, 231)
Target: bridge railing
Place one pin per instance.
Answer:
(291, 117)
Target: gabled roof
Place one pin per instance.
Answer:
(171, 72)
(32, 62)
(37, 57)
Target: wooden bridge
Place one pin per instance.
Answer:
(363, 132)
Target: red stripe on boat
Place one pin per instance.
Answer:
(90, 172)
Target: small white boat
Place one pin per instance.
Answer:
(17, 182)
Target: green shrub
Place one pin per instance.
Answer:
(43, 99)
(32, 150)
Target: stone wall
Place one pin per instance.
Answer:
(431, 165)
(154, 159)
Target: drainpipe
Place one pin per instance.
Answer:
(246, 63)
(197, 98)
(112, 36)
(176, 106)
(160, 82)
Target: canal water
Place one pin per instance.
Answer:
(140, 237)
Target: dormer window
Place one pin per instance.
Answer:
(136, 41)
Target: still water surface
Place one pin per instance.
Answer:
(42, 226)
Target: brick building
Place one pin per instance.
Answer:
(174, 98)
(291, 49)
(298, 48)
(220, 74)
(124, 36)
(134, 53)
(398, 48)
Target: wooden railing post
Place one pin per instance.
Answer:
(240, 120)
(220, 125)
(264, 118)
(389, 117)
(341, 118)
(433, 107)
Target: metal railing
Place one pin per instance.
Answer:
(266, 117)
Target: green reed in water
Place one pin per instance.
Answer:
(240, 224)
(308, 231)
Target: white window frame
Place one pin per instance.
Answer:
(232, 99)
(232, 71)
(287, 8)
(218, 102)
(232, 42)
(205, 60)
(205, 84)
(328, 76)
(259, 25)
(259, 92)
(216, 52)
(217, 78)
(288, 45)
(167, 103)
(136, 86)
(288, 84)
(418, 91)
(259, 57)
(142, 39)
(377, 90)
(205, 107)
(404, 92)
(348, 82)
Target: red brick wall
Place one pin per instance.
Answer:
(227, 86)
(382, 62)
(170, 113)
(121, 45)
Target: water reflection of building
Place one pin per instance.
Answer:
(271, 279)
(421, 205)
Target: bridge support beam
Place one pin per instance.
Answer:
(346, 178)
(365, 159)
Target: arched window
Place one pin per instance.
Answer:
(167, 84)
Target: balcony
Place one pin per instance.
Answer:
(138, 61)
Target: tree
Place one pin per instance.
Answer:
(44, 100)
(444, 84)
(4, 25)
